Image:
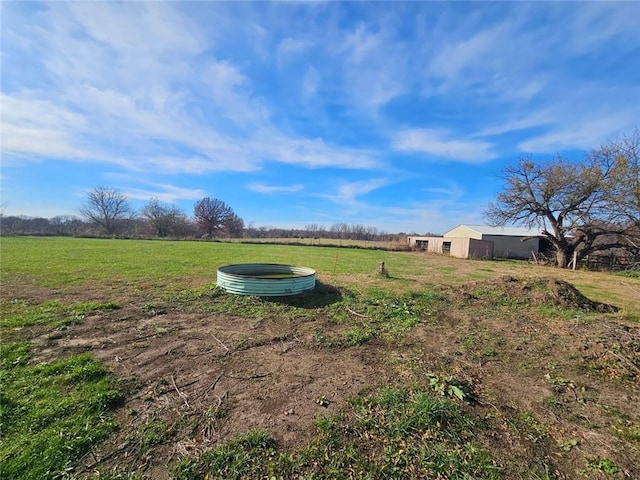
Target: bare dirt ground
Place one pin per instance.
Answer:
(557, 389)
(209, 377)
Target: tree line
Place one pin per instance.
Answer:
(108, 212)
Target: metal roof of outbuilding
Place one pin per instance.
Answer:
(507, 231)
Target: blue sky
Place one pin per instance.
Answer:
(393, 115)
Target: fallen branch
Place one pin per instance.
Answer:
(251, 377)
(182, 395)
(223, 345)
(215, 382)
(189, 383)
(356, 313)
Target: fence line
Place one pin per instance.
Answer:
(614, 263)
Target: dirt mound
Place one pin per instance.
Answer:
(545, 291)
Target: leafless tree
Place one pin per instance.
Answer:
(234, 226)
(583, 207)
(165, 219)
(622, 188)
(211, 215)
(106, 207)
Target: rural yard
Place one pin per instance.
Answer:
(442, 368)
(324, 240)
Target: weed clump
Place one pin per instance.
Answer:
(537, 292)
(394, 433)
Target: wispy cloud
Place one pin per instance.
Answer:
(289, 48)
(164, 193)
(454, 59)
(206, 106)
(543, 117)
(439, 144)
(271, 189)
(583, 136)
(33, 128)
(374, 66)
(452, 192)
(311, 81)
(347, 194)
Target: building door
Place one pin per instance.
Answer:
(446, 248)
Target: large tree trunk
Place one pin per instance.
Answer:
(562, 257)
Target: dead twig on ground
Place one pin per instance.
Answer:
(183, 396)
(223, 345)
(251, 377)
(213, 385)
(356, 313)
(189, 383)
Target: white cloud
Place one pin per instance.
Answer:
(310, 152)
(347, 193)
(596, 22)
(362, 44)
(374, 66)
(29, 143)
(31, 128)
(108, 43)
(139, 29)
(311, 81)
(232, 95)
(289, 48)
(193, 165)
(439, 144)
(454, 58)
(165, 193)
(138, 86)
(583, 135)
(454, 191)
(269, 189)
(520, 122)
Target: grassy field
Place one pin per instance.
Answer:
(89, 264)
(121, 359)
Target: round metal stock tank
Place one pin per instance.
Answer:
(265, 279)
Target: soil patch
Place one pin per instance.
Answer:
(205, 378)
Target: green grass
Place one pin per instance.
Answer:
(603, 465)
(18, 313)
(211, 299)
(144, 266)
(383, 315)
(150, 434)
(54, 262)
(51, 414)
(396, 433)
(629, 273)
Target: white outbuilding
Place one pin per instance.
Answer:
(482, 241)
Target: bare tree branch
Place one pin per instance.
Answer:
(587, 206)
(106, 207)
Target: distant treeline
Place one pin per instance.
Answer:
(185, 228)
